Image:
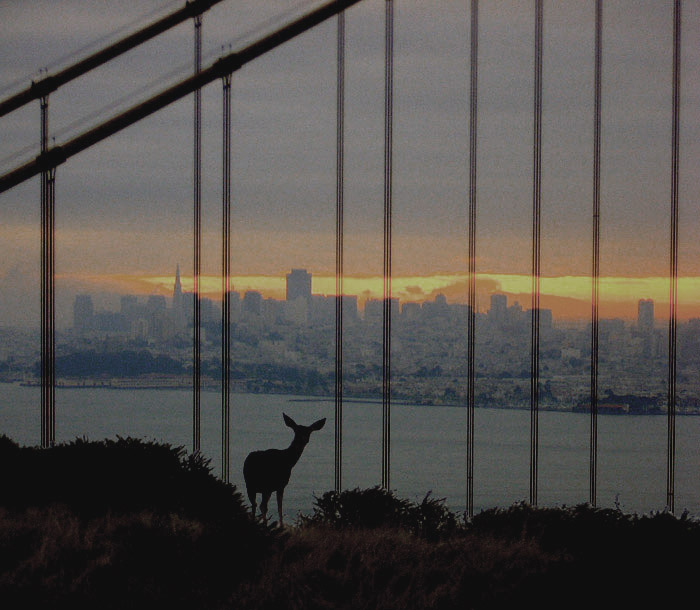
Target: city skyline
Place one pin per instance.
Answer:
(278, 288)
(124, 207)
(568, 296)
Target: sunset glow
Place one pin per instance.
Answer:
(567, 296)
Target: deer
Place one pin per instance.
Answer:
(269, 470)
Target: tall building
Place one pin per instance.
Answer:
(129, 306)
(499, 307)
(83, 314)
(645, 316)
(156, 304)
(252, 303)
(298, 285)
(181, 306)
(177, 292)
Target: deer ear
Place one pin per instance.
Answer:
(289, 421)
(317, 425)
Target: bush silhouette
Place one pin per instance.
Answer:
(376, 507)
(123, 523)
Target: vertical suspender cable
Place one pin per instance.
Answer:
(52, 305)
(673, 312)
(196, 356)
(593, 461)
(386, 326)
(339, 194)
(471, 308)
(44, 283)
(226, 286)
(48, 314)
(536, 204)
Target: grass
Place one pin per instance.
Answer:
(127, 523)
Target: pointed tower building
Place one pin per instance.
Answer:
(178, 310)
(177, 291)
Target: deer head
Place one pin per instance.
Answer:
(303, 433)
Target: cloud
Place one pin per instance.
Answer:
(135, 190)
(414, 290)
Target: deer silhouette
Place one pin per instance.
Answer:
(269, 470)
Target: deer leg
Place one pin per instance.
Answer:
(280, 494)
(263, 504)
(253, 503)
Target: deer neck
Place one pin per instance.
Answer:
(294, 452)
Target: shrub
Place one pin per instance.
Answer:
(123, 523)
(116, 475)
(376, 507)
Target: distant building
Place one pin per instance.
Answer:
(156, 304)
(350, 308)
(83, 314)
(499, 307)
(645, 316)
(545, 319)
(374, 310)
(322, 311)
(298, 285)
(252, 303)
(129, 306)
(178, 304)
(410, 311)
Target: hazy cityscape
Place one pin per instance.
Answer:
(288, 346)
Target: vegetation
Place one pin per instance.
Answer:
(119, 524)
(129, 523)
(125, 363)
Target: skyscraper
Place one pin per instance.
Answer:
(177, 291)
(645, 316)
(83, 314)
(252, 303)
(499, 307)
(298, 285)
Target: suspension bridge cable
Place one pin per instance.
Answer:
(386, 326)
(224, 65)
(169, 76)
(593, 458)
(536, 213)
(85, 48)
(197, 255)
(47, 297)
(339, 221)
(51, 82)
(673, 310)
(226, 286)
(471, 309)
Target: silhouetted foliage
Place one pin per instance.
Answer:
(117, 524)
(117, 475)
(376, 507)
(133, 524)
(626, 557)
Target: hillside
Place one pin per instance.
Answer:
(127, 523)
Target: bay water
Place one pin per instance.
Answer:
(428, 445)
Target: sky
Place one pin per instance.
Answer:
(124, 207)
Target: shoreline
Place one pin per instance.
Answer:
(169, 384)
